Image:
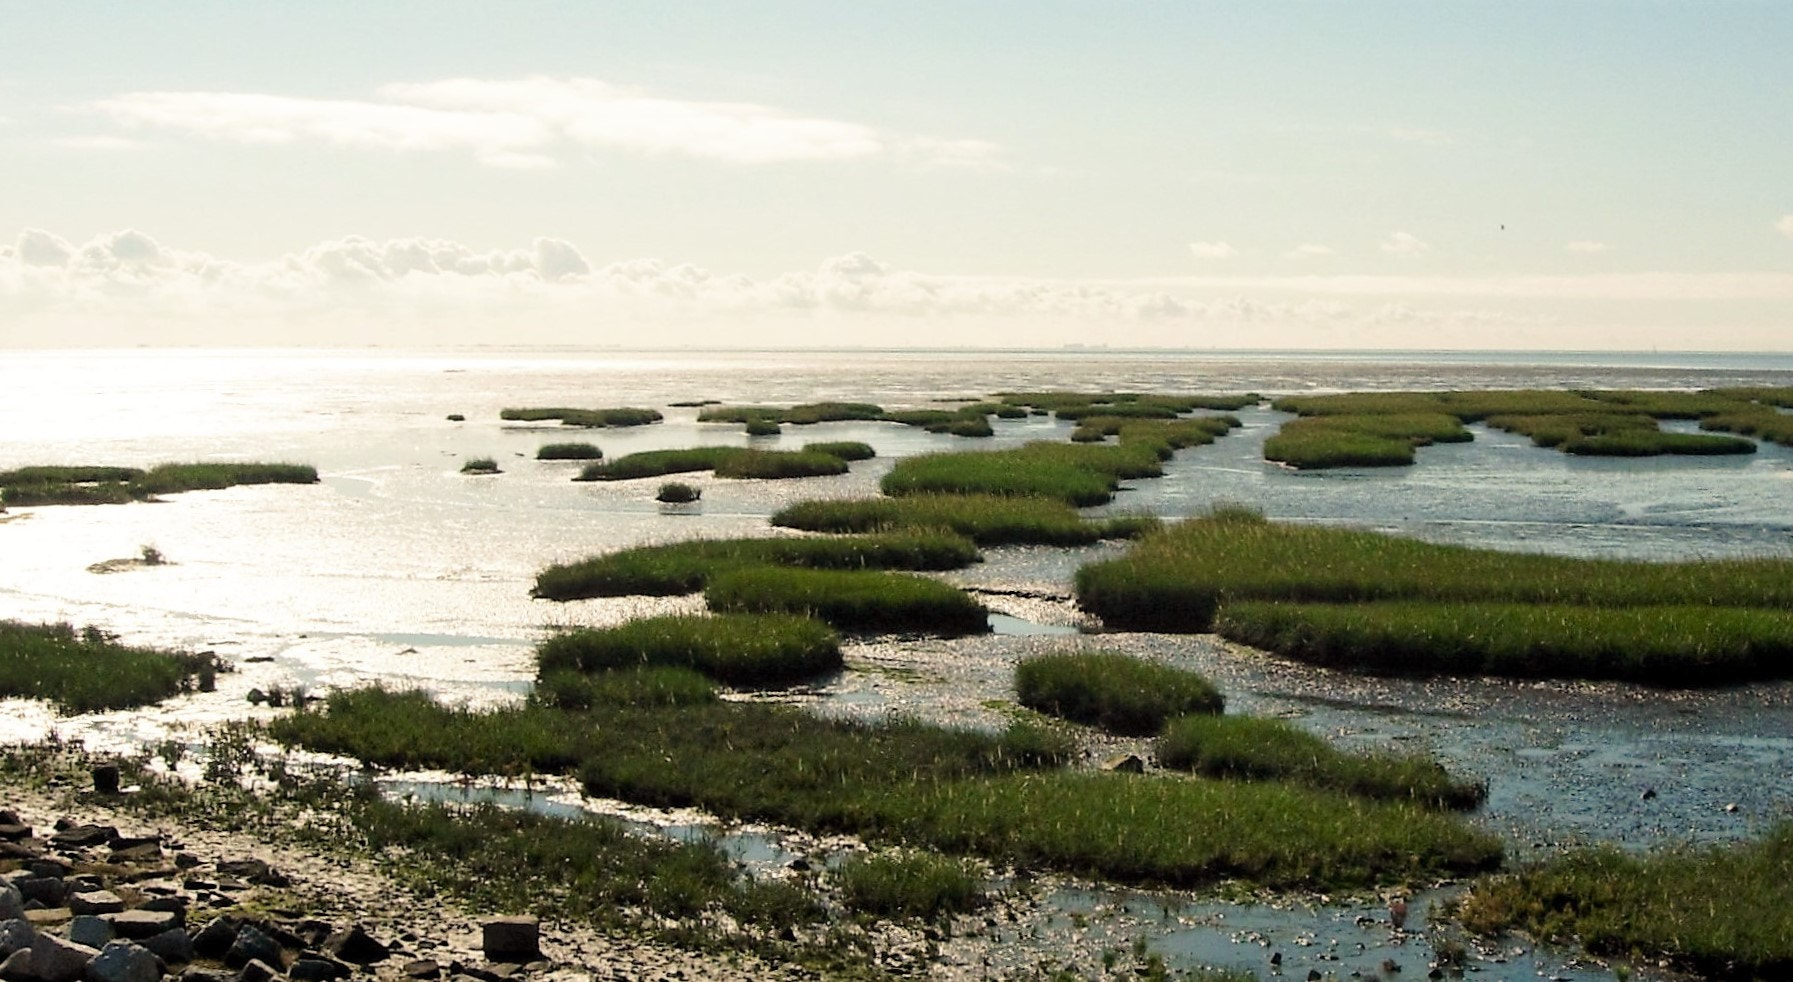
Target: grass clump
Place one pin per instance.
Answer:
(1039, 469)
(987, 520)
(1115, 692)
(89, 671)
(573, 689)
(96, 485)
(910, 885)
(1081, 405)
(739, 649)
(588, 418)
(1253, 749)
(1615, 435)
(869, 601)
(739, 462)
(1360, 439)
(480, 466)
(848, 450)
(1765, 423)
(1721, 911)
(686, 567)
(568, 451)
(677, 493)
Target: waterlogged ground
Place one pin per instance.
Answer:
(398, 569)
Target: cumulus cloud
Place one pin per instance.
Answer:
(533, 122)
(1212, 250)
(1785, 225)
(1308, 250)
(1405, 244)
(1584, 245)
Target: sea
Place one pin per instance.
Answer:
(397, 568)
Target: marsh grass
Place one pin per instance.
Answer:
(89, 671)
(851, 600)
(95, 485)
(586, 418)
(1254, 749)
(1360, 440)
(685, 567)
(568, 451)
(1078, 405)
(910, 885)
(744, 650)
(998, 796)
(1723, 911)
(848, 450)
(1615, 435)
(1114, 692)
(573, 689)
(677, 493)
(987, 520)
(1775, 427)
(480, 466)
(1037, 469)
(736, 462)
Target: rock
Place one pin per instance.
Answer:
(12, 902)
(95, 902)
(142, 923)
(83, 836)
(13, 831)
(15, 934)
(215, 938)
(50, 866)
(142, 852)
(47, 890)
(193, 973)
(174, 946)
(354, 944)
(257, 971)
(55, 959)
(511, 939)
(122, 961)
(254, 871)
(1125, 764)
(90, 930)
(251, 944)
(17, 967)
(185, 860)
(313, 969)
(174, 904)
(422, 969)
(49, 917)
(105, 779)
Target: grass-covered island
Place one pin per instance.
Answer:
(1365, 601)
(105, 485)
(88, 670)
(585, 418)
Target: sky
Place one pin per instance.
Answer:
(1372, 174)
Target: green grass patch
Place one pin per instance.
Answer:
(686, 567)
(1080, 405)
(1080, 475)
(568, 451)
(851, 600)
(1615, 435)
(1360, 440)
(1115, 692)
(571, 688)
(737, 462)
(910, 885)
(1254, 749)
(480, 465)
(1765, 423)
(1721, 911)
(677, 493)
(588, 418)
(987, 520)
(844, 449)
(90, 485)
(89, 671)
(740, 649)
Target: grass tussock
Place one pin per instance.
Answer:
(1721, 911)
(1762, 422)
(848, 450)
(89, 671)
(480, 465)
(1364, 600)
(573, 689)
(1616, 435)
(987, 520)
(677, 493)
(915, 885)
(90, 485)
(747, 650)
(568, 451)
(737, 462)
(686, 567)
(851, 600)
(1079, 475)
(1253, 749)
(586, 418)
(1360, 439)
(1114, 692)
(1081, 405)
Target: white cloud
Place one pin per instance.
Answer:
(1308, 250)
(532, 122)
(1212, 250)
(1584, 245)
(1405, 244)
(1785, 225)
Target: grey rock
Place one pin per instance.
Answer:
(96, 902)
(175, 946)
(511, 939)
(255, 871)
(16, 967)
(49, 866)
(142, 923)
(105, 778)
(422, 969)
(122, 961)
(15, 934)
(1125, 764)
(252, 944)
(313, 969)
(83, 836)
(12, 902)
(174, 904)
(257, 971)
(215, 938)
(55, 959)
(90, 930)
(354, 944)
(50, 891)
(194, 973)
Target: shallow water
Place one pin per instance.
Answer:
(397, 568)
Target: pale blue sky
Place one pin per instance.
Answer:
(1206, 174)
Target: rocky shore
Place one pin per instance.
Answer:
(89, 893)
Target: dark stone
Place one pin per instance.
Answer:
(142, 923)
(15, 934)
(174, 946)
(83, 836)
(145, 852)
(252, 944)
(310, 968)
(354, 944)
(122, 961)
(50, 866)
(95, 902)
(215, 938)
(173, 903)
(1125, 764)
(256, 970)
(16, 967)
(55, 959)
(194, 973)
(314, 931)
(186, 860)
(422, 969)
(23, 852)
(13, 832)
(511, 939)
(105, 779)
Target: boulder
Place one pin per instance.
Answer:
(15, 934)
(354, 944)
(310, 968)
(92, 931)
(16, 967)
(105, 778)
(174, 904)
(83, 836)
(511, 939)
(55, 959)
(257, 971)
(49, 891)
(252, 944)
(12, 902)
(96, 902)
(423, 969)
(1125, 764)
(193, 973)
(142, 923)
(215, 938)
(122, 961)
(174, 946)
